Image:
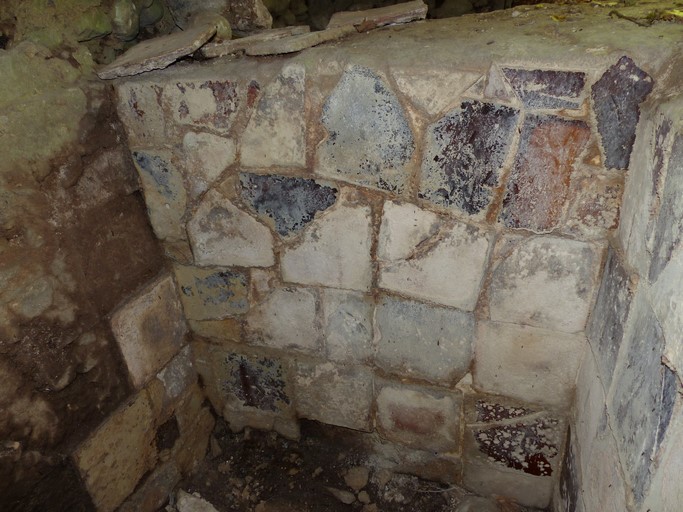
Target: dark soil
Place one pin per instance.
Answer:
(263, 472)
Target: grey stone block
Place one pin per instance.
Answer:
(423, 341)
(370, 141)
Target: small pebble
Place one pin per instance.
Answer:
(345, 497)
(364, 497)
(357, 478)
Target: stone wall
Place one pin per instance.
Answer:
(397, 246)
(625, 445)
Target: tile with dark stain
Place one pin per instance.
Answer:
(547, 88)
(527, 446)
(257, 382)
(290, 203)
(464, 154)
(616, 99)
(539, 183)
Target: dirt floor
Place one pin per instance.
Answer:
(327, 470)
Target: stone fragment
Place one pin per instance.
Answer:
(125, 20)
(117, 454)
(347, 325)
(139, 108)
(422, 341)
(519, 447)
(602, 482)
(276, 133)
(591, 409)
(607, 322)
(666, 296)
(165, 193)
(667, 235)
(150, 329)
(644, 187)
(641, 383)
(496, 87)
(538, 186)
(161, 52)
(569, 477)
(177, 377)
(335, 395)
(503, 443)
(285, 320)
(594, 204)
(254, 382)
(545, 282)
(369, 139)
(369, 19)
(616, 96)
(223, 48)
(357, 477)
(345, 497)
(152, 495)
(290, 203)
(425, 271)
(296, 43)
(323, 256)
(203, 104)
(433, 90)
(666, 490)
(223, 235)
(535, 365)
(404, 227)
(464, 155)
(186, 502)
(206, 157)
(243, 15)
(547, 89)
(419, 418)
(210, 294)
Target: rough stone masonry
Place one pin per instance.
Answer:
(404, 234)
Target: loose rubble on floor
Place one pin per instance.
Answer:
(330, 469)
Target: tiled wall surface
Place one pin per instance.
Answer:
(353, 245)
(625, 447)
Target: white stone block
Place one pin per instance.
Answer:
(348, 325)
(334, 252)
(404, 227)
(545, 282)
(150, 329)
(276, 133)
(286, 319)
(433, 90)
(206, 157)
(334, 395)
(442, 262)
(221, 234)
(530, 364)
